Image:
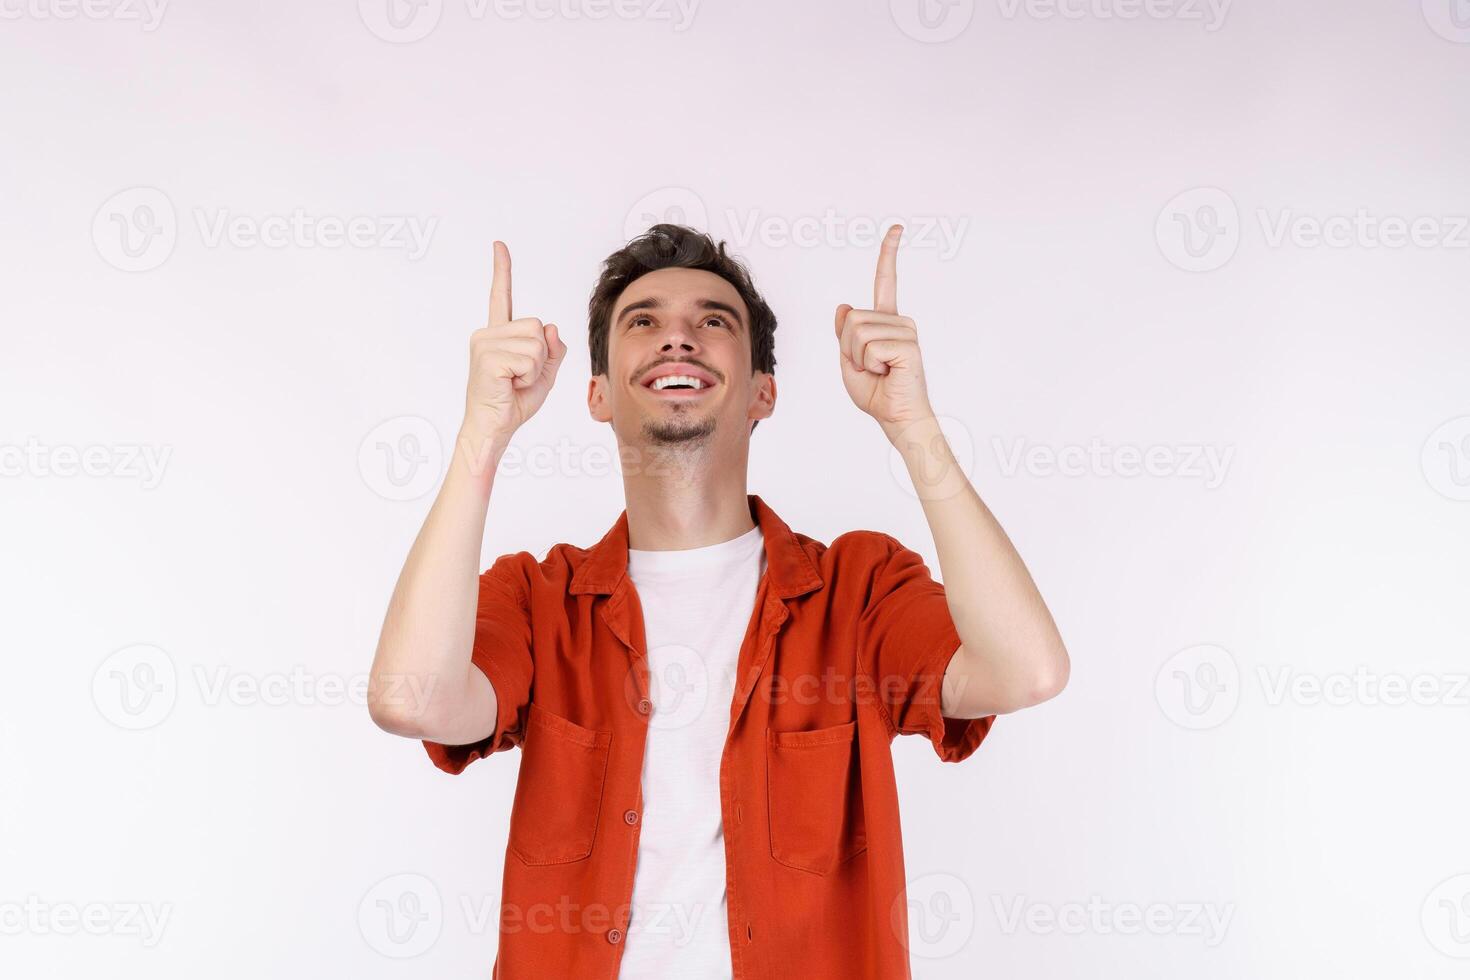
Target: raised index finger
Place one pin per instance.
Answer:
(500, 286)
(885, 284)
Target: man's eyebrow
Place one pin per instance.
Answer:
(654, 303)
(714, 304)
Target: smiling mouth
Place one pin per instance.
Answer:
(687, 383)
(673, 381)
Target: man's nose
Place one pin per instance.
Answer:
(679, 336)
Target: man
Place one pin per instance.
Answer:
(704, 699)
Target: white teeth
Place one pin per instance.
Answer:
(660, 384)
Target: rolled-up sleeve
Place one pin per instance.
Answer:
(906, 641)
(502, 652)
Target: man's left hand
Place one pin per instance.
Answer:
(879, 351)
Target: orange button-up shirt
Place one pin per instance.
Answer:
(846, 648)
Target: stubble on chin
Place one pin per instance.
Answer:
(675, 432)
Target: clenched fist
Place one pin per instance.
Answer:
(513, 363)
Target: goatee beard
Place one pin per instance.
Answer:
(678, 431)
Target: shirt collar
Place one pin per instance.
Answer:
(788, 566)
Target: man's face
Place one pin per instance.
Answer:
(678, 363)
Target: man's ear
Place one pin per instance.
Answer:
(597, 401)
(763, 398)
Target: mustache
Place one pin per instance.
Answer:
(717, 375)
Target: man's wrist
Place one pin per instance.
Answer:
(478, 448)
(917, 427)
(932, 466)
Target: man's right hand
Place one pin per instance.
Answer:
(513, 363)
(428, 635)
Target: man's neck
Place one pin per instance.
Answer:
(678, 501)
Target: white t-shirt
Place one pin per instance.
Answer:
(697, 604)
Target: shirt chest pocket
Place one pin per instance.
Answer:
(559, 790)
(816, 813)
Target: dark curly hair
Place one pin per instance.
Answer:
(666, 246)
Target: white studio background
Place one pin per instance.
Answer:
(1191, 285)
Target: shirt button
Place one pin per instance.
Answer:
(645, 706)
(630, 817)
(615, 936)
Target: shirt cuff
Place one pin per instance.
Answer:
(954, 739)
(453, 759)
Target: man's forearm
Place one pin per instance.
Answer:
(429, 632)
(423, 684)
(1011, 654)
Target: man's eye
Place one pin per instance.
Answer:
(718, 321)
(639, 320)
